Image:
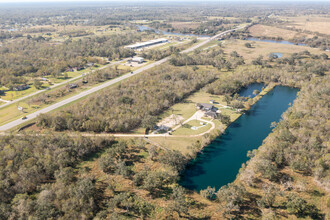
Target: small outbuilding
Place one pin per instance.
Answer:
(72, 86)
(21, 87)
(137, 60)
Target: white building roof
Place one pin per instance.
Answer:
(147, 43)
(138, 59)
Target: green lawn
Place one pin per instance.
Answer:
(187, 130)
(12, 95)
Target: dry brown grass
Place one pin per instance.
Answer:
(264, 49)
(181, 25)
(269, 31)
(310, 23)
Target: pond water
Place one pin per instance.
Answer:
(274, 41)
(248, 91)
(144, 28)
(220, 161)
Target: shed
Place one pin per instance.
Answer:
(137, 59)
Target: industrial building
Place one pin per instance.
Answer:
(137, 60)
(146, 44)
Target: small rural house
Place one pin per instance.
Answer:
(208, 109)
(21, 87)
(72, 86)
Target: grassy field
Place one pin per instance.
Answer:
(314, 23)
(269, 31)
(12, 95)
(265, 49)
(181, 25)
(187, 128)
(176, 143)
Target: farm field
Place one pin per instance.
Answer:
(265, 49)
(311, 23)
(271, 31)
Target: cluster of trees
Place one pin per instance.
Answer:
(38, 180)
(27, 161)
(214, 57)
(157, 54)
(294, 71)
(203, 28)
(76, 193)
(41, 58)
(136, 102)
(9, 35)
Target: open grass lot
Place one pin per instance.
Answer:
(265, 49)
(269, 31)
(182, 25)
(187, 129)
(176, 143)
(12, 95)
(11, 112)
(314, 23)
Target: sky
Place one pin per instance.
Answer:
(11, 1)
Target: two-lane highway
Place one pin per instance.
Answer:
(83, 94)
(57, 84)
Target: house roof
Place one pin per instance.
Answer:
(211, 114)
(207, 105)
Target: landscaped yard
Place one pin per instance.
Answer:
(188, 128)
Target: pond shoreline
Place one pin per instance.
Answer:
(217, 133)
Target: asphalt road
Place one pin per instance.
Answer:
(31, 116)
(57, 84)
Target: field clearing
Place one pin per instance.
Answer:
(269, 31)
(176, 143)
(189, 131)
(309, 23)
(265, 49)
(181, 25)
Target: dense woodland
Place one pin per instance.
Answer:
(134, 103)
(31, 160)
